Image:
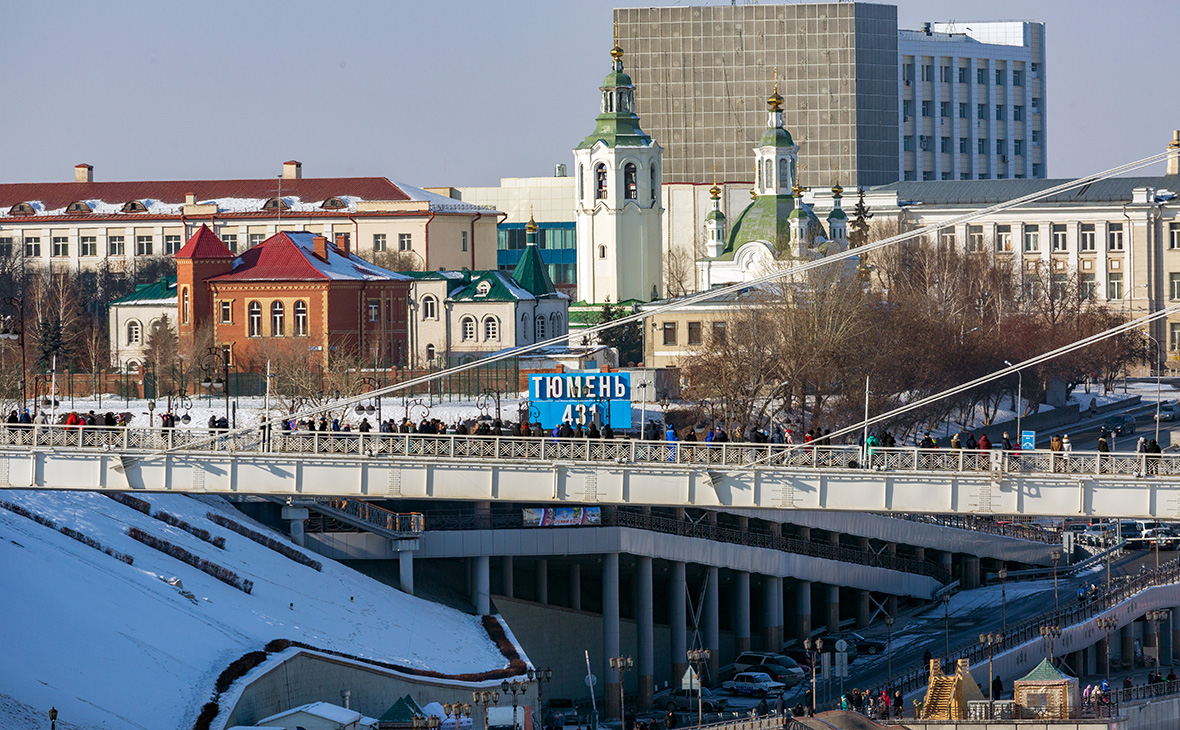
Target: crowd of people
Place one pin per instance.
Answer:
(67, 418)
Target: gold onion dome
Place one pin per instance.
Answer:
(775, 101)
(531, 226)
(616, 52)
(797, 190)
(715, 192)
(837, 191)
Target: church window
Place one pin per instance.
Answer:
(524, 326)
(132, 366)
(429, 307)
(630, 185)
(467, 327)
(430, 353)
(769, 173)
(600, 182)
(254, 311)
(624, 102)
(276, 319)
(783, 174)
(539, 328)
(652, 183)
(134, 332)
(555, 321)
(602, 252)
(491, 328)
(184, 309)
(581, 181)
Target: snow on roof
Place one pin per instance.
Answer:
(324, 710)
(136, 653)
(289, 256)
(440, 203)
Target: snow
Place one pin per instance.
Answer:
(116, 646)
(323, 710)
(439, 202)
(339, 266)
(991, 596)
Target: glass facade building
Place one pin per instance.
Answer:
(557, 242)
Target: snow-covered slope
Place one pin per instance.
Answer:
(113, 645)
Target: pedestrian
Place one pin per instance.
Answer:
(1141, 446)
(809, 701)
(997, 688)
(1103, 448)
(898, 703)
(762, 710)
(1127, 683)
(629, 720)
(927, 443)
(1066, 446)
(985, 444)
(1056, 443)
(1006, 444)
(956, 442)
(927, 657)
(778, 703)
(971, 444)
(670, 720)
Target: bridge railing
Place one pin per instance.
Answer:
(388, 520)
(528, 448)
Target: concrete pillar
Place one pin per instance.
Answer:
(576, 586)
(803, 609)
(610, 631)
(769, 611)
(711, 517)
(542, 581)
(405, 571)
(742, 612)
(834, 539)
(779, 614)
(891, 605)
(1175, 632)
(483, 515)
(1077, 663)
(678, 620)
(483, 585)
(920, 553)
(295, 517)
(711, 618)
(833, 608)
(891, 549)
(864, 608)
(865, 543)
(970, 577)
(506, 582)
(947, 561)
(1127, 641)
(743, 523)
(646, 635)
(1100, 652)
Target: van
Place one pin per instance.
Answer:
(500, 718)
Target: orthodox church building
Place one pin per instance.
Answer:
(777, 227)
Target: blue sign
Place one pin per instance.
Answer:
(1028, 440)
(585, 398)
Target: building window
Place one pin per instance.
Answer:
(378, 241)
(927, 72)
(981, 75)
(276, 319)
(256, 238)
(1036, 136)
(946, 144)
(1088, 286)
(694, 333)
(974, 239)
(1059, 238)
(999, 146)
(1036, 169)
(1032, 239)
(1114, 286)
(61, 246)
(132, 367)
(184, 308)
(1036, 104)
(982, 145)
(946, 238)
(944, 109)
(430, 353)
(231, 241)
(33, 246)
(6, 246)
(651, 181)
(962, 74)
(1004, 237)
(539, 328)
(601, 251)
(669, 330)
(908, 143)
(374, 310)
(1174, 236)
(115, 246)
(927, 174)
(227, 313)
(1114, 236)
(1017, 78)
(630, 184)
(981, 111)
(88, 246)
(1017, 112)
(600, 182)
(405, 241)
(925, 108)
(491, 328)
(462, 240)
(467, 329)
(254, 315)
(134, 332)
(1088, 239)
(963, 148)
(1174, 286)
(301, 318)
(555, 322)
(784, 173)
(964, 110)
(429, 307)
(907, 108)
(1018, 146)
(171, 245)
(143, 245)
(999, 77)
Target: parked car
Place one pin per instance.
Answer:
(863, 645)
(800, 657)
(754, 684)
(1168, 411)
(830, 644)
(1159, 538)
(780, 667)
(1120, 424)
(560, 712)
(679, 699)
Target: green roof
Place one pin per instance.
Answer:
(616, 128)
(837, 214)
(500, 288)
(164, 289)
(1044, 672)
(715, 215)
(768, 218)
(776, 137)
(402, 711)
(532, 274)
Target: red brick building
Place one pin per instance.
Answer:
(293, 293)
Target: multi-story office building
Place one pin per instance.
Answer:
(842, 70)
(972, 101)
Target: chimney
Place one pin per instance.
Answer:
(342, 243)
(190, 198)
(319, 247)
(83, 173)
(292, 170)
(1174, 160)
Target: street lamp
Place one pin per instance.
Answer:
(1056, 555)
(1050, 633)
(52, 718)
(992, 642)
(540, 676)
(1004, 599)
(217, 358)
(813, 649)
(514, 688)
(946, 620)
(699, 658)
(1157, 617)
(485, 699)
(1107, 623)
(622, 665)
(1157, 386)
(17, 333)
(889, 647)
(1020, 401)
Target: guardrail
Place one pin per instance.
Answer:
(622, 451)
(411, 523)
(975, 523)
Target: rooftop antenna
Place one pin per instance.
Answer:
(280, 202)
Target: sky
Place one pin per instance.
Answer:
(453, 92)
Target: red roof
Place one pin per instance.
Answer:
(204, 245)
(308, 189)
(287, 256)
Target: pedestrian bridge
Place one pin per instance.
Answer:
(583, 471)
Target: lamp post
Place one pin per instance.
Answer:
(16, 332)
(1019, 400)
(698, 658)
(540, 676)
(1050, 633)
(888, 647)
(485, 699)
(1056, 555)
(1106, 623)
(515, 687)
(946, 621)
(52, 718)
(369, 409)
(813, 649)
(1004, 599)
(622, 665)
(865, 436)
(457, 710)
(1156, 367)
(642, 409)
(1156, 618)
(992, 642)
(215, 359)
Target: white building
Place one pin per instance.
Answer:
(318, 716)
(131, 319)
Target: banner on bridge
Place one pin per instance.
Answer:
(581, 398)
(562, 516)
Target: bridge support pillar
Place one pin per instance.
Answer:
(610, 631)
(1077, 663)
(712, 618)
(770, 585)
(678, 620)
(802, 609)
(743, 523)
(646, 635)
(970, 576)
(542, 581)
(576, 586)
(834, 608)
(742, 612)
(864, 608)
(405, 571)
(483, 515)
(947, 561)
(919, 554)
(1174, 632)
(483, 585)
(1127, 642)
(1100, 651)
(891, 605)
(506, 582)
(780, 613)
(295, 517)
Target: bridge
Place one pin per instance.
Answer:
(583, 471)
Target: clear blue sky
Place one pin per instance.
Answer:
(451, 93)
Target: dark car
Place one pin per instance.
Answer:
(1121, 424)
(802, 658)
(680, 699)
(830, 645)
(863, 645)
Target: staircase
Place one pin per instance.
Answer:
(939, 697)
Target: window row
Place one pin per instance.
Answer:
(1058, 237)
(962, 74)
(278, 318)
(670, 335)
(630, 182)
(59, 246)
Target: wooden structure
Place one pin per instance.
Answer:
(947, 695)
(1047, 694)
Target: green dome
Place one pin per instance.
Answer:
(715, 215)
(615, 79)
(776, 137)
(837, 214)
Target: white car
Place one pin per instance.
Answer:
(1169, 411)
(754, 684)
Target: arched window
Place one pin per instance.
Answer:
(134, 206)
(79, 206)
(132, 366)
(254, 320)
(333, 204)
(630, 185)
(22, 209)
(581, 182)
(602, 252)
(300, 318)
(430, 353)
(491, 328)
(275, 204)
(524, 327)
(554, 324)
(134, 332)
(539, 328)
(276, 319)
(600, 182)
(429, 307)
(184, 305)
(769, 174)
(467, 327)
(757, 175)
(784, 173)
(652, 181)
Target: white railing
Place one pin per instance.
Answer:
(549, 449)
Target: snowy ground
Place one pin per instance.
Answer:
(115, 646)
